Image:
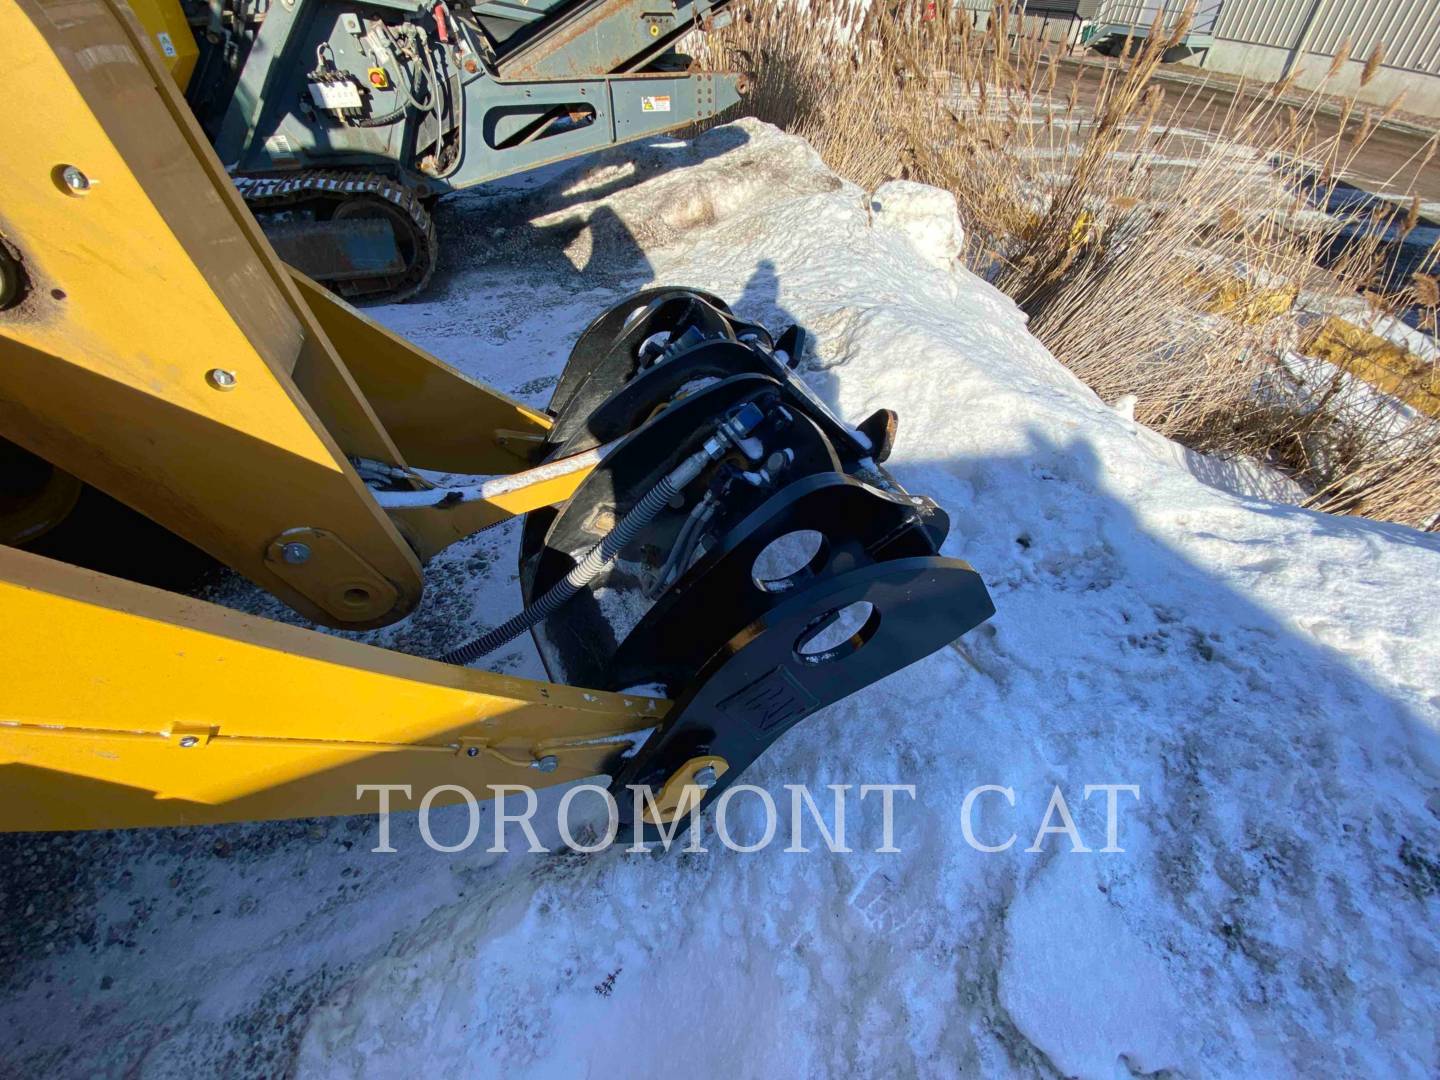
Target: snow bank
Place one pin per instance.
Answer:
(1269, 679)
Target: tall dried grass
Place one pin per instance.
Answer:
(1152, 231)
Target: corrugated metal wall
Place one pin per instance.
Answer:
(1141, 13)
(1270, 22)
(1409, 29)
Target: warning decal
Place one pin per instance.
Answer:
(658, 103)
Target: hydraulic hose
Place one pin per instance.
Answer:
(588, 568)
(614, 542)
(682, 548)
(384, 120)
(406, 82)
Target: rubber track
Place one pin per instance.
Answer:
(266, 193)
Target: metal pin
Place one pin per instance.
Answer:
(75, 180)
(295, 553)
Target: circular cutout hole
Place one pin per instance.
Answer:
(787, 560)
(838, 633)
(14, 283)
(356, 596)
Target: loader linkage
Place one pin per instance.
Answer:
(708, 553)
(793, 572)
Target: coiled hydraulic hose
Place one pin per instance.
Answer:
(741, 424)
(383, 120)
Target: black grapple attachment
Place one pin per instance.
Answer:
(785, 570)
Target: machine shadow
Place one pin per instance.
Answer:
(1277, 774)
(568, 243)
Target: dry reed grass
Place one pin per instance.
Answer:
(1148, 229)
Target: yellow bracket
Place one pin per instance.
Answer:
(439, 418)
(680, 794)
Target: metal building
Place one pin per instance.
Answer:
(1271, 39)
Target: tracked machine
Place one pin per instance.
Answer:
(709, 554)
(342, 121)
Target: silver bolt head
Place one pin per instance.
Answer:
(75, 180)
(187, 741)
(221, 379)
(295, 553)
(547, 764)
(472, 751)
(705, 777)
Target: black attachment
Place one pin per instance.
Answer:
(790, 572)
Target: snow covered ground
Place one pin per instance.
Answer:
(1268, 677)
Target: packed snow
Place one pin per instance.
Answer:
(1266, 678)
